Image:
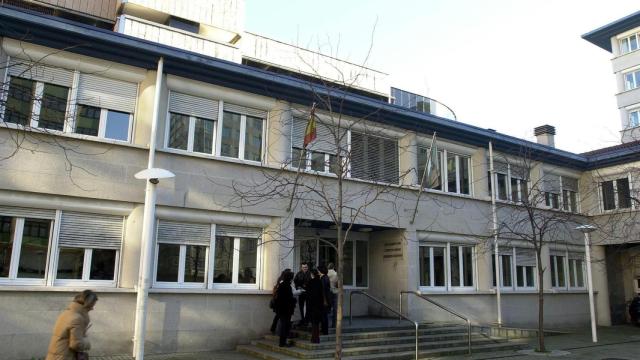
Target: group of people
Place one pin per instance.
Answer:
(316, 291)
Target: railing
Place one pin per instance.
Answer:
(402, 317)
(421, 296)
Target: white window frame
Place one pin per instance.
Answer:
(508, 176)
(243, 134)
(86, 270)
(629, 115)
(181, 268)
(635, 79)
(444, 173)
(191, 134)
(574, 279)
(308, 161)
(13, 278)
(316, 259)
(514, 272)
(103, 124)
(236, 266)
(449, 287)
(627, 39)
(567, 274)
(615, 179)
(432, 278)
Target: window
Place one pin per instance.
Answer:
(561, 192)
(454, 178)
(634, 118)
(241, 136)
(510, 181)
(435, 182)
(567, 270)
(103, 123)
(436, 259)
(558, 271)
(374, 158)
(191, 133)
(552, 200)
(631, 80)
(517, 268)
(88, 248)
(236, 256)
(310, 160)
(24, 246)
(576, 271)
(569, 201)
(616, 194)
(356, 258)
(183, 24)
(36, 104)
(629, 44)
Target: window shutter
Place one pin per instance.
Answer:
(238, 231)
(38, 72)
(374, 158)
(576, 256)
(107, 93)
(570, 184)
(525, 257)
(193, 106)
(183, 233)
(551, 183)
(27, 212)
(85, 230)
(519, 172)
(238, 109)
(505, 251)
(325, 141)
(500, 167)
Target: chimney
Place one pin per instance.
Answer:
(545, 135)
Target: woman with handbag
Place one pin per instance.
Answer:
(69, 340)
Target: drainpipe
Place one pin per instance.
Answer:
(494, 214)
(148, 220)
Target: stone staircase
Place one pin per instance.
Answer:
(390, 342)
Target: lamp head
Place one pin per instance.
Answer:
(154, 175)
(587, 228)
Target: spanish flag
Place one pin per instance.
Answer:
(310, 131)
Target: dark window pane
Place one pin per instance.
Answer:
(335, 164)
(348, 264)
(573, 199)
(451, 173)
(223, 270)
(53, 107)
(203, 136)
(572, 273)
(326, 252)
(362, 258)
(624, 195)
(103, 264)
(178, 131)
(88, 120)
(253, 139)
(502, 186)
(465, 178)
(608, 199)
(580, 273)
(317, 161)
(467, 261)
(19, 101)
(560, 265)
(455, 266)
(248, 256)
(230, 137)
(554, 282)
(506, 270)
(298, 158)
(7, 228)
(33, 252)
(425, 266)
(520, 276)
(438, 266)
(168, 262)
(70, 263)
(195, 264)
(515, 194)
(117, 126)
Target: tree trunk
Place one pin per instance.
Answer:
(541, 347)
(340, 255)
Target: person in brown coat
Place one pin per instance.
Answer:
(70, 331)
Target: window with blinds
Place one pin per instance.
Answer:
(236, 256)
(192, 123)
(324, 154)
(374, 158)
(242, 132)
(182, 250)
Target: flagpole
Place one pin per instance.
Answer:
(302, 152)
(494, 214)
(424, 175)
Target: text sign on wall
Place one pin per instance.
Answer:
(392, 250)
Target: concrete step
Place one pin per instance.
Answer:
(366, 349)
(266, 354)
(392, 340)
(386, 332)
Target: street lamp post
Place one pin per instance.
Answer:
(586, 230)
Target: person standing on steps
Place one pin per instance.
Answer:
(301, 282)
(69, 340)
(284, 305)
(326, 299)
(333, 285)
(316, 304)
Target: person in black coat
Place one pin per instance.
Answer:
(326, 292)
(316, 302)
(634, 310)
(284, 305)
(301, 281)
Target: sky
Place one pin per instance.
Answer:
(509, 65)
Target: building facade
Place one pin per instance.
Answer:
(77, 105)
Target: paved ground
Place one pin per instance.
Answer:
(615, 343)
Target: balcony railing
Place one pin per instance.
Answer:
(185, 40)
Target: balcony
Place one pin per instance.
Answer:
(184, 40)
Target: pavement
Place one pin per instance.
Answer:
(614, 343)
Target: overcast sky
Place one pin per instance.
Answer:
(502, 64)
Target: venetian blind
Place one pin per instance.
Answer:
(183, 233)
(86, 230)
(374, 158)
(98, 91)
(193, 106)
(39, 72)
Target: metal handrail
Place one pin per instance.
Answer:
(402, 317)
(423, 297)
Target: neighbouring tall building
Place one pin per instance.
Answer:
(81, 82)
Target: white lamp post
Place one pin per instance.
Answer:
(586, 229)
